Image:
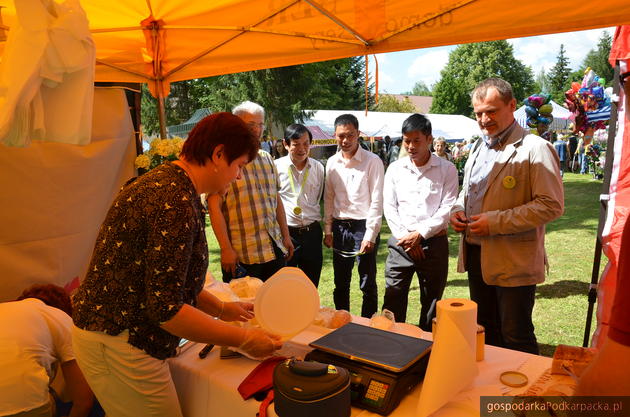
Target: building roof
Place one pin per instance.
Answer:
(421, 103)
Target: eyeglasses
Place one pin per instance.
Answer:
(253, 125)
(622, 77)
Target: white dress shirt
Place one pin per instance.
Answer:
(419, 198)
(308, 198)
(354, 190)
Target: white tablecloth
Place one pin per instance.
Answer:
(208, 387)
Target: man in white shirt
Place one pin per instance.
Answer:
(301, 186)
(353, 208)
(36, 342)
(419, 192)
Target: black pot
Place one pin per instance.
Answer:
(311, 389)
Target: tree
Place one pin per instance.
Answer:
(284, 92)
(419, 89)
(559, 75)
(541, 83)
(471, 63)
(389, 103)
(597, 59)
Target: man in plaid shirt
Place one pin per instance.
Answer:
(249, 221)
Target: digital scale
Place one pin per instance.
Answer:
(383, 366)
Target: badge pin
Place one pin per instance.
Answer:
(509, 182)
(297, 210)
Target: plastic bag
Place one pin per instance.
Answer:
(384, 320)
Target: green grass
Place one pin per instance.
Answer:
(561, 301)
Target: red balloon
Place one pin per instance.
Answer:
(575, 86)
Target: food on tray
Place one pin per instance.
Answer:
(340, 318)
(331, 318)
(571, 359)
(246, 287)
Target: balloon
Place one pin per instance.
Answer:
(602, 81)
(546, 109)
(608, 91)
(589, 75)
(531, 111)
(546, 98)
(536, 101)
(544, 120)
(575, 86)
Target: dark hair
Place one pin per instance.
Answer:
(417, 123)
(50, 294)
(503, 88)
(295, 131)
(220, 129)
(274, 149)
(347, 119)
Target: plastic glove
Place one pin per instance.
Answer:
(259, 344)
(237, 311)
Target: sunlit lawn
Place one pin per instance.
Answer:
(561, 302)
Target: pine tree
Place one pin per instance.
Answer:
(597, 59)
(559, 75)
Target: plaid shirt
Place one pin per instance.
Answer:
(249, 209)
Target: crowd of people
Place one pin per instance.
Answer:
(144, 286)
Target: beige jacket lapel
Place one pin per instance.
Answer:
(512, 143)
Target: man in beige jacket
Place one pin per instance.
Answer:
(512, 188)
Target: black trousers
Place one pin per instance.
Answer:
(263, 270)
(432, 273)
(505, 312)
(308, 250)
(347, 236)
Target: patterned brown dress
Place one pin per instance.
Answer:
(150, 258)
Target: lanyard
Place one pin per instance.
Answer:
(297, 197)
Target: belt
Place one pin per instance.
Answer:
(349, 221)
(303, 229)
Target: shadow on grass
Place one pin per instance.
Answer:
(562, 289)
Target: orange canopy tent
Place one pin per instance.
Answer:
(163, 41)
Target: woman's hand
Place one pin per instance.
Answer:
(260, 344)
(237, 311)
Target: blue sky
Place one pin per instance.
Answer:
(399, 71)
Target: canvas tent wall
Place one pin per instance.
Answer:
(449, 126)
(561, 117)
(55, 196)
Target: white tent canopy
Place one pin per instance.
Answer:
(561, 117)
(449, 126)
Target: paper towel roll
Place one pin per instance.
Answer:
(452, 365)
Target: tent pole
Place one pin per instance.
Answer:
(161, 110)
(603, 208)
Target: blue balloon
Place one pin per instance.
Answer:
(531, 111)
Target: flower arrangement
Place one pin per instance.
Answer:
(593, 153)
(162, 150)
(460, 161)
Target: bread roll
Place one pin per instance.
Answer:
(340, 318)
(575, 358)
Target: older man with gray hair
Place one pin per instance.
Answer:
(512, 188)
(249, 221)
